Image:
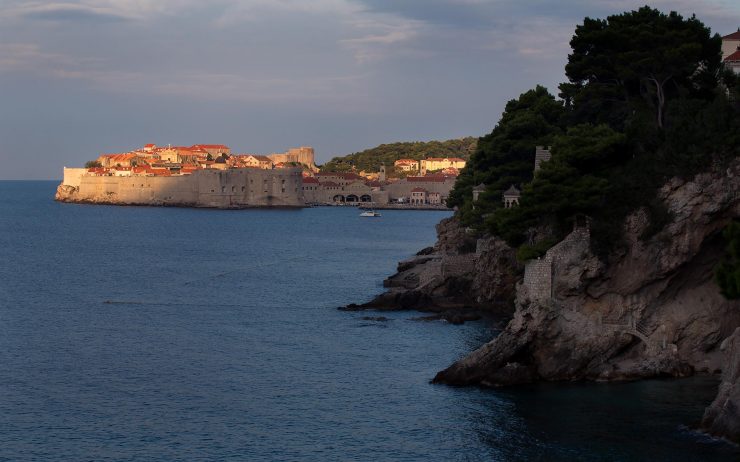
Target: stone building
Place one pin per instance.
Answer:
(214, 150)
(511, 197)
(120, 160)
(731, 51)
(406, 165)
(418, 196)
(478, 190)
(257, 161)
(541, 154)
(303, 155)
(432, 183)
(432, 164)
(434, 198)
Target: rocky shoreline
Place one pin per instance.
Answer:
(649, 310)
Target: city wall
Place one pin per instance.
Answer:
(233, 188)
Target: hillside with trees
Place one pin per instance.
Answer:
(370, 160)
(647, 99)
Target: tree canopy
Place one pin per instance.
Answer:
(506, 155)
(646, 99)
(642, 56)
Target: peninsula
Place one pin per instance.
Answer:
(196, 176)
(209, 175)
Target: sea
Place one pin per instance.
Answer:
(176, 334)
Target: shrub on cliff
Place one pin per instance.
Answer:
(93, 164)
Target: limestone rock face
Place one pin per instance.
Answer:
(651, 310)
(65, 193)
(722, 417)
(461, 272)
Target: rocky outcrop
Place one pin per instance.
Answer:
(461, 276)
(651, 310)
(65, 193)
(722, 417)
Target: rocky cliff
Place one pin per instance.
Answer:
(459, 278)
(650, 309)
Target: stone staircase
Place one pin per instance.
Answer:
(630, 325)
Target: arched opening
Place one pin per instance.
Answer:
(338, 198)
(366, 198)
(352, 198)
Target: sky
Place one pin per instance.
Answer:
(79, 78)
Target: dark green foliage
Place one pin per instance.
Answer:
(92, 164)
(640, 57)
(575, 182)
(506, 155)
(643, 103)
(727, 272)
(370, 159)
(529, 252)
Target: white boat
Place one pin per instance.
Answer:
(370, 213)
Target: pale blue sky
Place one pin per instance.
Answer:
(82, 77)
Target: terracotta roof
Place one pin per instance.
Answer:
(149, 145)
(374, 184)
(734, 57)
(120, 157)
(732, 36)
(209, 146)
(310, 180)
(406, 161)
(456, 159)
(261, 158)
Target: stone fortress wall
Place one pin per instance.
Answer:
(538, 274)
(233, 188)
(303, 155)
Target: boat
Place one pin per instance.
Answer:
(370, 212)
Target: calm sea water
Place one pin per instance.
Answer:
(178, 334)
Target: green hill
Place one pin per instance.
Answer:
(371, 159)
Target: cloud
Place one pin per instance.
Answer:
(71, 13)
(20, 57)
(380, 38)
(190, 84)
